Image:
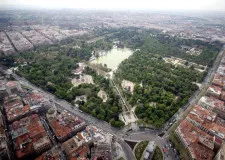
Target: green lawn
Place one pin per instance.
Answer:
(139, 149)
(157, 155)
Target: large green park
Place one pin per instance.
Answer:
(160, 88)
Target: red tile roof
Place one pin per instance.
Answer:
(212, 102)
(222, 95)
(200, 152)
(34, 98)
(15, 108)
(64, 124)
(82, 150)
(207, 119)
(53, 154)
(200, 115)
(24, 143)
(73, 148)
(219, 80)
(191, 134)
(11, 83)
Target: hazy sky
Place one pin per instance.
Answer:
(207, 5)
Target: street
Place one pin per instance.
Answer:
(49, 132)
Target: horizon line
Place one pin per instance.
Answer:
(33, 7)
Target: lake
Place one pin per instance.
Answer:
(114, 57)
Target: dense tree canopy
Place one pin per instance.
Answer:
(165, 88)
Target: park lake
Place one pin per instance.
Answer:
(114, 57)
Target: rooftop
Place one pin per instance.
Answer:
(81, 153)
(223, 60)
(34, 98)
(15, 108)
(71, 145)
(65, 123)
(199, 143)
(53, 154)
(219, 80)
(101, 151)
(200, 152)
(78, 70)
(211, 102)
(75, 148)
(208, 120)
(214, 90)
(221, 69)
(3, 143)
(222, 95)
(28, 134)
(217, 129)
(10, 98)
(12, 84)
(91, 133)
(200, 115)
